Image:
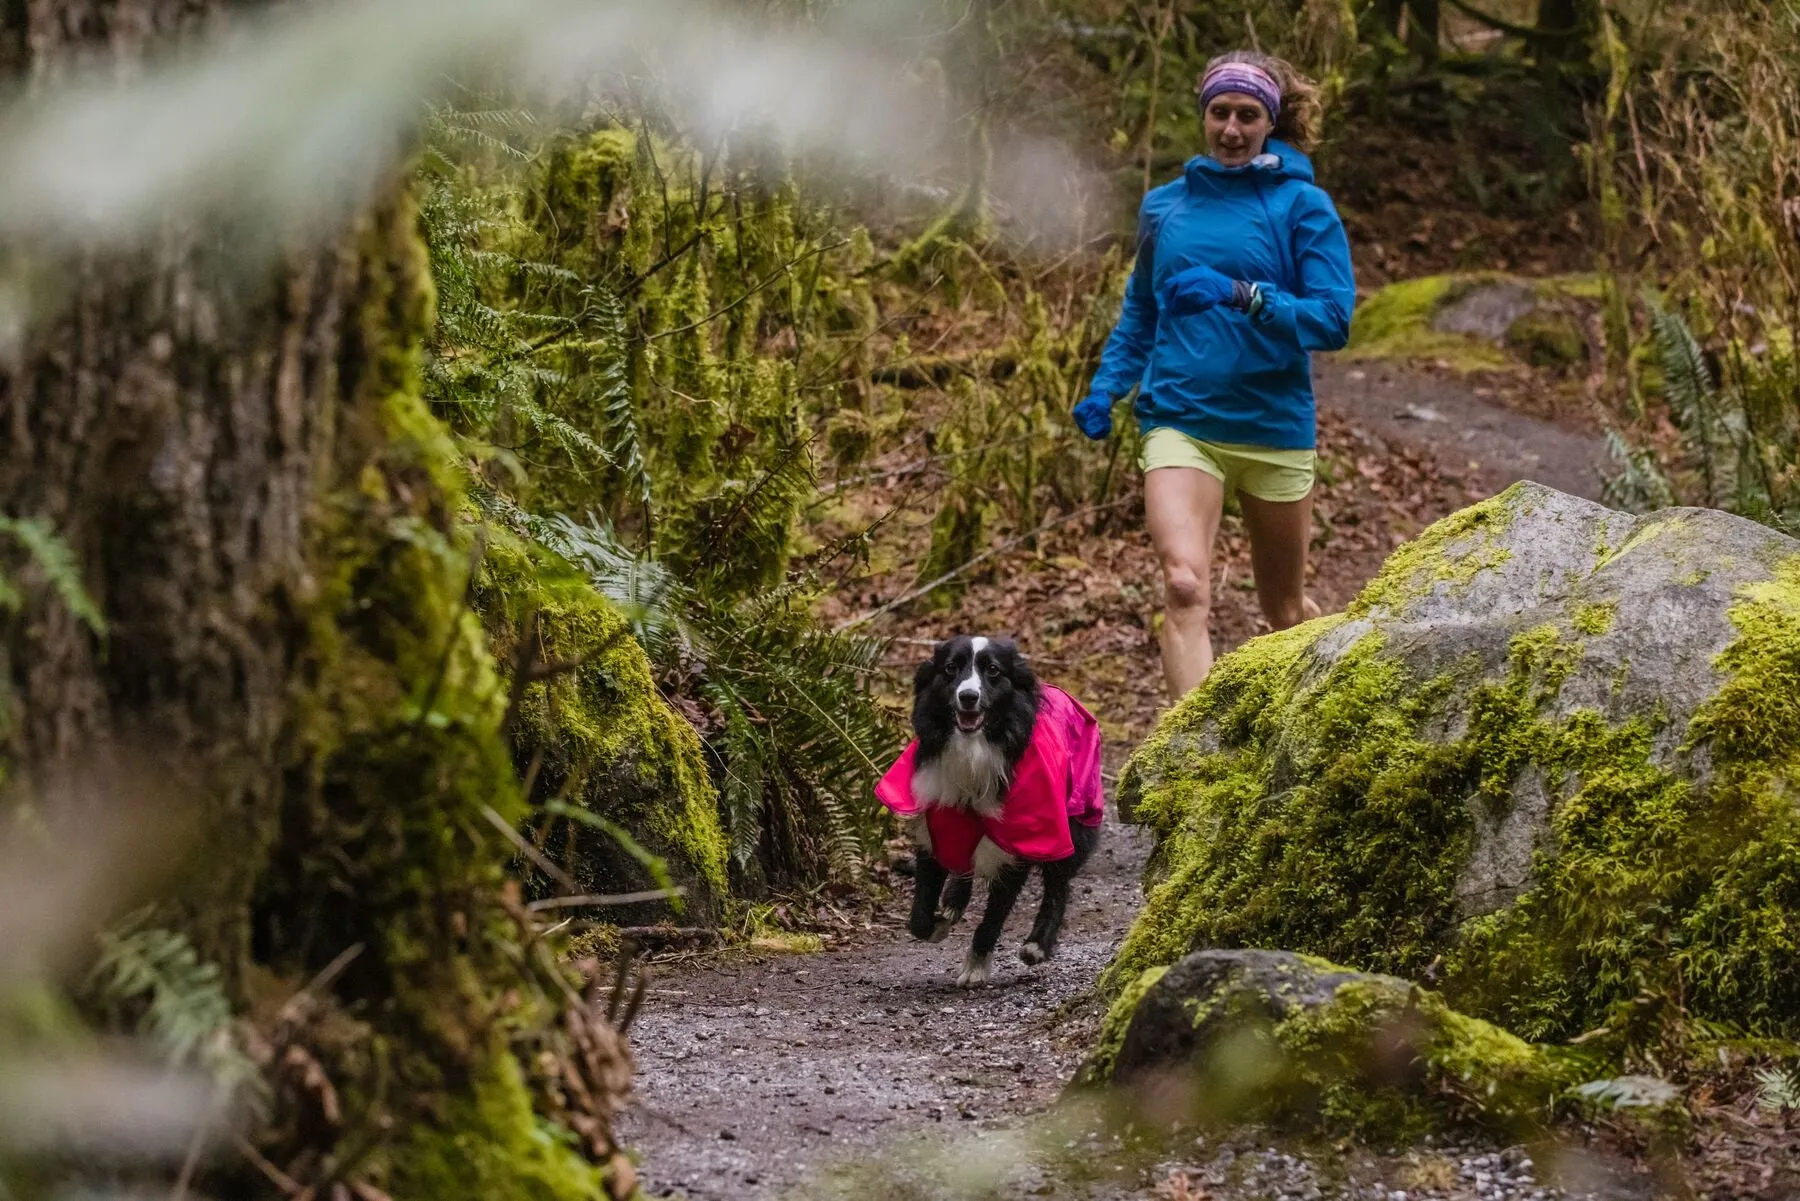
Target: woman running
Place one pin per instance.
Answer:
(1243, 270)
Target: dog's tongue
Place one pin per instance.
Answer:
(968, 722)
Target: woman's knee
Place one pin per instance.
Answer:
(1186, 588)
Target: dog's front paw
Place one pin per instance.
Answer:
(975, 971)
(1032, 954)
(946, 921)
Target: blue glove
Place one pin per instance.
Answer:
(1200, 288)
(1094, 416)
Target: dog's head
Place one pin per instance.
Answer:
(972, 685)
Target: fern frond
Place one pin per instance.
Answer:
(641, 588)
(612, 396)
(1687, 381)
(57, 562)
(186, 1013)
(1639, 486)
(1778, 1089)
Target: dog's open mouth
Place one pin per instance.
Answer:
(969, 722)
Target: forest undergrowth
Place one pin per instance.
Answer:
(733, 433)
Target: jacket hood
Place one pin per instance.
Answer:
(1278, 161)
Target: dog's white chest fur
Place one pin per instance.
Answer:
(969, 774)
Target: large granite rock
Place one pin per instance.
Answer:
(1551, 754)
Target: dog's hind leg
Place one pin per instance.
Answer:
(928, 882)
(950, 909)
(1057, 878)
(1003, 893)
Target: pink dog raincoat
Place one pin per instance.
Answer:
(1057, 779)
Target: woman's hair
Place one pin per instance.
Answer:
(1302, 111)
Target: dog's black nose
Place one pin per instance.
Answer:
(968, 701)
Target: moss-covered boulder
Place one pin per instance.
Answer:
(1481, 321)
(1553, 749)
(1279, 1037)
(595, 737)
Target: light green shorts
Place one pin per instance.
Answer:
(1261, 471)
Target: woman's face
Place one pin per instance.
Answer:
(1237, 125)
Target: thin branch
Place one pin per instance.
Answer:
(773, 276)
(985, 555)
(290, 1011)
(530, 852)
(280, 1179)
(607, 899)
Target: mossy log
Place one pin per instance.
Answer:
(935, 371)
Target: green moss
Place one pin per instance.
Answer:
(1660, 885)
(399, 757)
(1452, 552)
(1548, 337)
(1323, 823)
(1590, 287)
(1597, 619)
(1392, 1064)
(489, 1146)
(1752, 723)
(602, 732)
(1396, 322)
(1658, 526)
(1099, 1065)
(1379, 1058)
(1402, 308)
(1321, 809)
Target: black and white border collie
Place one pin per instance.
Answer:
(975, 703)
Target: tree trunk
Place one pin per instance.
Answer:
(175, 423)
(242, 465)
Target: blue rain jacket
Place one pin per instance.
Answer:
(1221, 376)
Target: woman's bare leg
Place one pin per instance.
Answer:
(1182, 506)
(1280, 532)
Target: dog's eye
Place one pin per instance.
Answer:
(993, 671)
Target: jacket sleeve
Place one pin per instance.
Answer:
(1318, 317)
(1127, 351)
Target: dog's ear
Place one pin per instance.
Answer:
(1018, 666)
(930, 667)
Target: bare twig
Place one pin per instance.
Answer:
(621, 972)
(985, 555)
(530, 852)
(615, 898)
(637, 998)
(280, 1179)
(752, 291)
(650, 934)
(290, 1010)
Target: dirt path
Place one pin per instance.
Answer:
(774, 1076)
(754, 1074)
(1447, 418)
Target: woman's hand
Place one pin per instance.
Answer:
(1200, 288)
(1094, 416)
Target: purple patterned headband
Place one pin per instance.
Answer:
(1242, 77)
